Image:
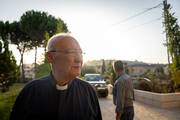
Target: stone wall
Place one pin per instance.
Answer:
(161, 100)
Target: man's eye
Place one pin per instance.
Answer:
(72, 52)
(69, 52)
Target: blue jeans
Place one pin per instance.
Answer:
(128, 113)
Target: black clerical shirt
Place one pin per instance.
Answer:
(40, 100)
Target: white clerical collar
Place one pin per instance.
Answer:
(61, 87)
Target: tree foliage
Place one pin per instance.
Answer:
(87, 69)
(172, 30)
(22, 41)
(35, 24)
(112, 73)
(9, 71)
(103, 68)
(32, 31)
(39, 26)
(4, 30)
(61, 26)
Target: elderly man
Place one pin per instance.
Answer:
(60, 95)
(123, 93)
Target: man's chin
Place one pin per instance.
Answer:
(76, 74)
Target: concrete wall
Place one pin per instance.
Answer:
(162, 100)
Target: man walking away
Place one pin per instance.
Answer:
(123, 93)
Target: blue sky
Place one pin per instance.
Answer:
(98, 26)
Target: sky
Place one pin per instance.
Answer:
(105, 29)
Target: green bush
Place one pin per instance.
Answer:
(156, 87)
(143, 85)
(43, 70)
(9, 71)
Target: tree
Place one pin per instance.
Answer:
(61, 27)
(9, 71)
(103, 69)
(40, 26)
(4, 30)
(51, 29)
(34, 24)
(46, 41)
(126, 68)
(53, 26)
(22, 41)
(112, 73)
(87, 69)
(172, 31)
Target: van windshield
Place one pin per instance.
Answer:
(93, 78)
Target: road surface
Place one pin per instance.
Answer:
(142, 111)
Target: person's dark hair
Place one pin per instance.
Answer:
(118, 65)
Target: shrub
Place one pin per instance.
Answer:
(43, 70)
(143, 85)
(9, 71)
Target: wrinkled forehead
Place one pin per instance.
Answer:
(65, 42)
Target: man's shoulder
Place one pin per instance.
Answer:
(39, 81)
(125, 77)
(34, 86)
(82, 82)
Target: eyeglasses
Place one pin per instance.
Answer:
(71, 52)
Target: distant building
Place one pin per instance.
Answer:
(140, 69)
(166, 71)
(133, 68)
(97, 65)
(29, 72)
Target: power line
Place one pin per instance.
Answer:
(138, 14)
(154, 20)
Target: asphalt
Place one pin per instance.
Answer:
(142, 111)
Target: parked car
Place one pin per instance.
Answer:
(98, 83)
(146, 79)
(136, 80)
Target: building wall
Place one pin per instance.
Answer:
(139, 70)
(29, 71)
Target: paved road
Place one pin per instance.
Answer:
(142, 111)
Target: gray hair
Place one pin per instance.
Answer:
(118, 65)
(52, 40)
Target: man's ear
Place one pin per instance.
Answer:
(49, 57)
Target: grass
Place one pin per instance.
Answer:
(7, 100)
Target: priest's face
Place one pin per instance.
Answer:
(67, 58)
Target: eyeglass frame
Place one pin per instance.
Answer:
(68, 51)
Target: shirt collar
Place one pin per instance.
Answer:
(53, 82)
(119, 76)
